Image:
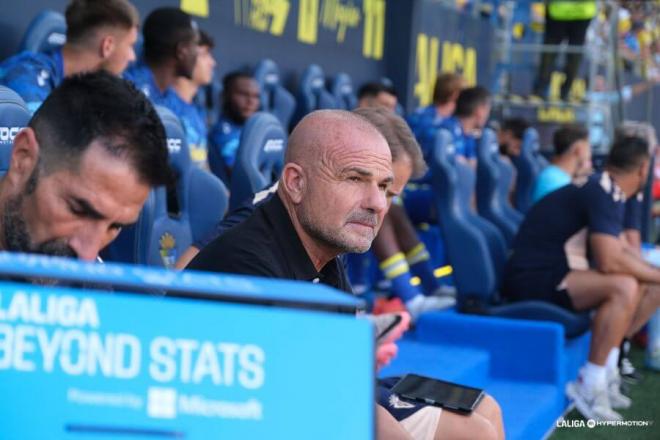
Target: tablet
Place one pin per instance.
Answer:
(447, 395)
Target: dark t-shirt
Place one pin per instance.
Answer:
(554, 234)
(266, 244)
(633, 214)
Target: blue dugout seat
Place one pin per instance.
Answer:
(528, 164)
(476, 261)
(14, 115)
(494, 178)
(275, 98)
(312, 94)
(172, 218)
(259, 159)
(343, 92)
(46, 32)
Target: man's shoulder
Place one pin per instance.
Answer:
(32, 75)
(601, 187)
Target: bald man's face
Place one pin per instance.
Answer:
(346, 190)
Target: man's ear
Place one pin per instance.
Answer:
(107, 46)
(293, 182)
(24, 158)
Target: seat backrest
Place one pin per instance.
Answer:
(275, 98)
(202, 198)
(46, 32)
(312, 94)
(490, 200)
(467, 247)
(259, 159)
(14, 115)
(528, 167)
(343, 92)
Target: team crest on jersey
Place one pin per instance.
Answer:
(167, 248)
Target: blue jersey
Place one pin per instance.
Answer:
(550, 179)
(424, 123)
(141, 75)
(33, 75)
(193, 119)
(465, 144)
(555, 231)
(224, 139)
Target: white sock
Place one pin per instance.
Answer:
(594, 376)
(613, 361)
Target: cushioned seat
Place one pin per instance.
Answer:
(343, 92)
(259, 158)
(274, 97)
(312, 94)
(47, 31)
(14, 115)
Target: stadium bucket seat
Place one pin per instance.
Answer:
(476, 268)
(493, 183)
(275, 98)
(46, 31)
(312, 94)
(14, 115)
(528, 164)
(259, 159)
(343, 92)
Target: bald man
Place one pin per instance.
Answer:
(331, 199)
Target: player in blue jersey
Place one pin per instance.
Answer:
(425, 121)
(471, 114)
(99, 35)
(569, 252)
(193, 116)
(572, 160)
(240, 100)
(170, 51)
(376, 94)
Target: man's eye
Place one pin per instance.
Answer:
(354, 179)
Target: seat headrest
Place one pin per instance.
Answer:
(488, 143)
(530, 141)
(343, 92)
(267, 74)
(14, 115)
(179, 155)
(260, 156)
(46, 32)
(313, 79)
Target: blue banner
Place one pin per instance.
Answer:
(87, 364)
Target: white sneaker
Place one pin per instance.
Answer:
(618, 400)
(593, 404)
(420, 304)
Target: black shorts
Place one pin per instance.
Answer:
(537, 285)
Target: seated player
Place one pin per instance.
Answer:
(569, 252)
(192, 115)
(99, 35)
(170, 51)
(376, 94)
(425, 121)
(74, 182)
(572, 160)
(331, 199)
(240, 100)
(471, 114)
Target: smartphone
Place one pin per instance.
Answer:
(447, 395)
(385, 324)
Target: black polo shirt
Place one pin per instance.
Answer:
(267, 245)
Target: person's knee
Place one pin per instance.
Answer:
(626, 290)
(490, 409)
